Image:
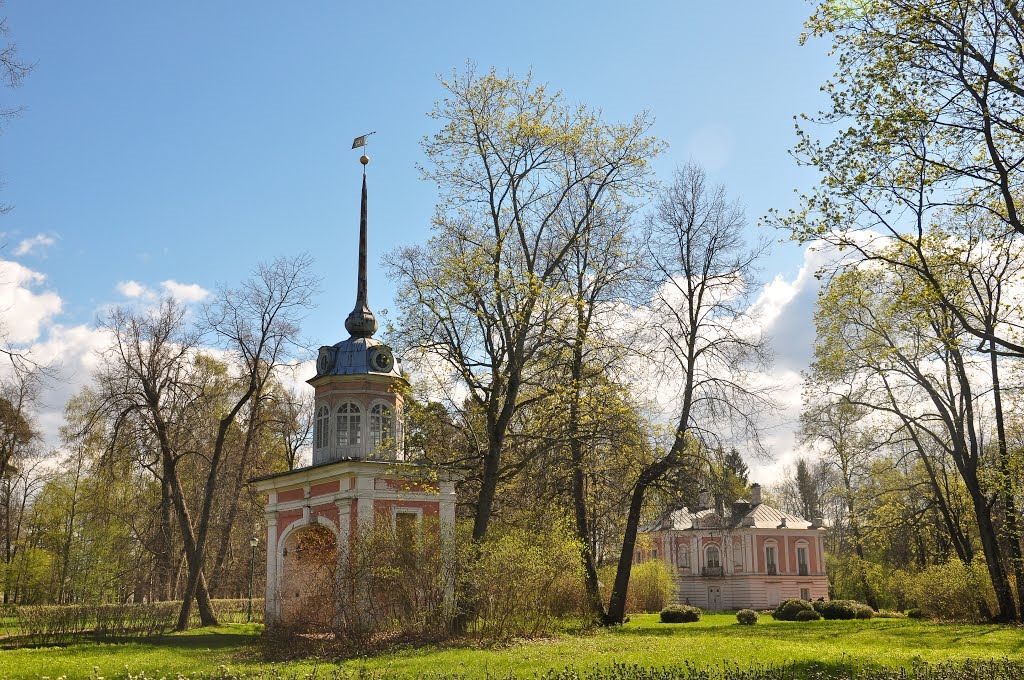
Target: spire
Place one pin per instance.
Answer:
(360, 322)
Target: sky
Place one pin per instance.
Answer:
(167, 148)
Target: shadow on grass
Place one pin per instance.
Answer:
(211, 639)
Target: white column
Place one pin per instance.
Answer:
(785, 551)
(270, 604)
(364, 502)
(341, 565)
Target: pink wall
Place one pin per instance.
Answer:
(324, 488)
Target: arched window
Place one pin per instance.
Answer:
(712, 557)
(380, 425)
(323, 425)
(349, 425)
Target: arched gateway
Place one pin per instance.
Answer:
(359, 475)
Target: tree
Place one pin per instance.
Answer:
(878, 327)
(155, 384)
(927, 104)
(701, 319)
(520, 174)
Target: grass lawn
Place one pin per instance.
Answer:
(643, 641)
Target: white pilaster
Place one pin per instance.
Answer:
(270, 605)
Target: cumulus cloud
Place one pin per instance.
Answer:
(133, 289)
(187, 293)
(35, 244)
(184, 292)
(24, 307)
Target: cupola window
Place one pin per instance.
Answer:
(323, 424)
(349, 425)
(380, 425)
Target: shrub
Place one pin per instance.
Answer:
(915, 613)
(746, 617)
(807, 615)
(788, 609)
(680, 613)
(651, 587)
(954, 591)
(836, 610)
(864, 611)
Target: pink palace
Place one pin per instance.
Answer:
(752, 556)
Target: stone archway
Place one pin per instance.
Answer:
(308, 587)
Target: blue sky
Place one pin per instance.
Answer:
(187, 141)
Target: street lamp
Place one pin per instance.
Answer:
(253, 542)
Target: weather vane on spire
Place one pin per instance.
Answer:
(360, 141)
(360, 322)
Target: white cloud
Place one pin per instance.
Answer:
(184, 292)
(187, 293)
(133, 289)
(23, 308)
(32, 245)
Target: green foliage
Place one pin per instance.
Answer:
(836, 610)
(807, 615)
(680, 613)
(523, 581)
(651, 587)
(953, 591)
(747, 617)
(916, 613)
(788, 609)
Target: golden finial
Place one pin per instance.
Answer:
(364, 159)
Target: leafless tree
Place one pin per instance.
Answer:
(703, 333)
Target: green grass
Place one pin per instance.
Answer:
(643, 641)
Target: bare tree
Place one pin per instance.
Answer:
(704, 333)
(152, 378)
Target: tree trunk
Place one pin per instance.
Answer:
(617, 603)
(1006, 484)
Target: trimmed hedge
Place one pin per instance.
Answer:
(788, 609)
(808, 615)
(680, 613)
(746, 617)
(843, 610)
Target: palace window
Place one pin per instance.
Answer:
(801, 559)
(323, 424)
(684, 556)
(713, 557)
(349, 425)
(770, 558)
(380, 425)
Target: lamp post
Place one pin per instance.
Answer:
(253, 542)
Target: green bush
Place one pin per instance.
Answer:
(807, 615)
(651, 587)
(746, 617)
(954, 591)
(788, 609)
(915, 613)
(680, 613)
(864, 611)
(836, 610)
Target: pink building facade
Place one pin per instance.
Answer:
(749, 556)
